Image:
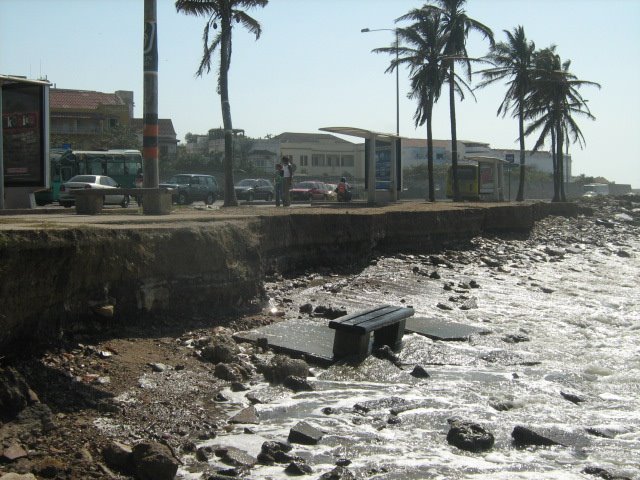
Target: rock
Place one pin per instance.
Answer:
(305, 434)
(225, 352)
(49, 467)
(599, 472)
(203, 454)
(235, 457)
(523, 436)
(282, 366)
(343, 462)
(298, 468)
(444, 306)
(419, 372)
(469, 436)
(394, 420)
(119, 457)
(338, 473)
(515, 338)
(246, 415)
(469, 304)
(18, 476)
(154, 461)
(306, 308)
(474, 284)
(13, 452)
(329, 312)
(503, 406)
(275, 452)
(297, 384)
(601, 432)
(623, 254)
(554, 252)
(572, 398)
(239, 387)
(385, 403)
(490, 262)
(265, 459)
(158, 367)
(438, 260)
(14, 393)
(547, 289)
(435, 275)
(226, 371)
(220, 397)
(385, 352)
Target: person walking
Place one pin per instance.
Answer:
(287, 176)
(278, 181)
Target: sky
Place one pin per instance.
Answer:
(312, 67)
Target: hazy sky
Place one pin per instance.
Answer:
(313, 68)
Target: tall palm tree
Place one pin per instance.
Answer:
(552, 105)
(512, 60)
(456, 26)
(223, 12)
(424, 55)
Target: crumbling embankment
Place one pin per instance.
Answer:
(52, 278)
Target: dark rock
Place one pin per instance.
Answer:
(14, 393)
(385, 403)
(469, 436)
(246, 415)
(554, 252)
(239, 387)
(394, 420)
(503, 406)
(119, 457)
(338, 473)
(271, 447)
(474, 284)
(203, 454)
(515, 338)
(343, 462)
(623, 254)
(298, 468)
(225, 350)
(220, 397)
(602, 473)
(235, 457)
(385, 352)
(605, 223)
(49, 467)
(435, 275)
(282, 366)
(283, 457)
(572, 398)
(490, 262)
(329, 312)
(438, 260)
(328, 411)
(525, 436)
(297, 384)
(265, 459)
(444, 306)
(306, 308)
(469, 304)
(601, 432)
(154, 461)
(305, 434)
(225, 371)
(547, 289)
(419, 372)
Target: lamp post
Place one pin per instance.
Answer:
(367, 30)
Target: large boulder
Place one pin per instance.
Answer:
(305, 434)
(224, 349)
(154, 461)
(282, 367)
(469, 436)
(14, 393)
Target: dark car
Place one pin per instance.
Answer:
(190, 187)
(310, 190)
(254, 189)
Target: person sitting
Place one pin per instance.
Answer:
(343, 190)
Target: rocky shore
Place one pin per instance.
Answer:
(125, 401)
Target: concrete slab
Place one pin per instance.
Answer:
(308, 337)
(438, 329)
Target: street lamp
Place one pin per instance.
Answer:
(367, 30)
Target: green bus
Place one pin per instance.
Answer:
(121, 165)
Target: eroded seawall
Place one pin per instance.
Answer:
(52, 277)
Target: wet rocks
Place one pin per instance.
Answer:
(419, 372)
(523, 436)
(224, 350)
(297, 384)
(119, 457)
(298, 467)
(599, 472)
(469, 436)
(154, 461)
(515, 338)
(572, 397)
(385, 352)
(329, 312)
(235, 457)
(246, 415)
(305, 434)
(282, 366)
(338, 473)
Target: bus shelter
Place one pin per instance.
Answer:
(490, 177)
(383, 163)
(24, 139)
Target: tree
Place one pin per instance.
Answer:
(552, 105)
(424, 55)
(456, 26)
(513, 60)
(224, 12)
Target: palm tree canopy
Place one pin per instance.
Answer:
(223, 11)
(513, 61)
(458, 24)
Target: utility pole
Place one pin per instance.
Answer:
(150, 113)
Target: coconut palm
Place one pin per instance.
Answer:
(223, 12)
(424, 55)
(513, 61)
(456, 25)
(553, 104)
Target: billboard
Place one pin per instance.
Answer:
(24, 130)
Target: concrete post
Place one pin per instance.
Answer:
(1, 155)
(393, 185)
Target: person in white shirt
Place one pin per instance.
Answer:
(286, 186)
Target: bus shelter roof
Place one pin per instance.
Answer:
(484, 158)
(359, 132)
(8, 79)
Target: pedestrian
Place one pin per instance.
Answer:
(278, 180)
(287, 176)
(343, 190)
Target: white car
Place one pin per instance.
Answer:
(81, 182)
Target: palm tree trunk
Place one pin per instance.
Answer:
(556, 191)
(432, 194)
(454, 139)
(560, 142)
(230, 199)
(520, 196)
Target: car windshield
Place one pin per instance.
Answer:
(305, 185)
(248, 182)
(180, 179)
(83, 178)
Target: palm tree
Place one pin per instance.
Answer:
(223, 12)
(513, 60)
(456, 26)
(424, 56)
(552, 105)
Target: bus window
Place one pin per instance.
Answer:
(115, 166)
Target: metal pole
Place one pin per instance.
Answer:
(150, 113)
(397, 85)
(1, 154)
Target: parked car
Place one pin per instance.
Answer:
(310, 190)
(83, 182)
(190, 187)
(254, 188)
